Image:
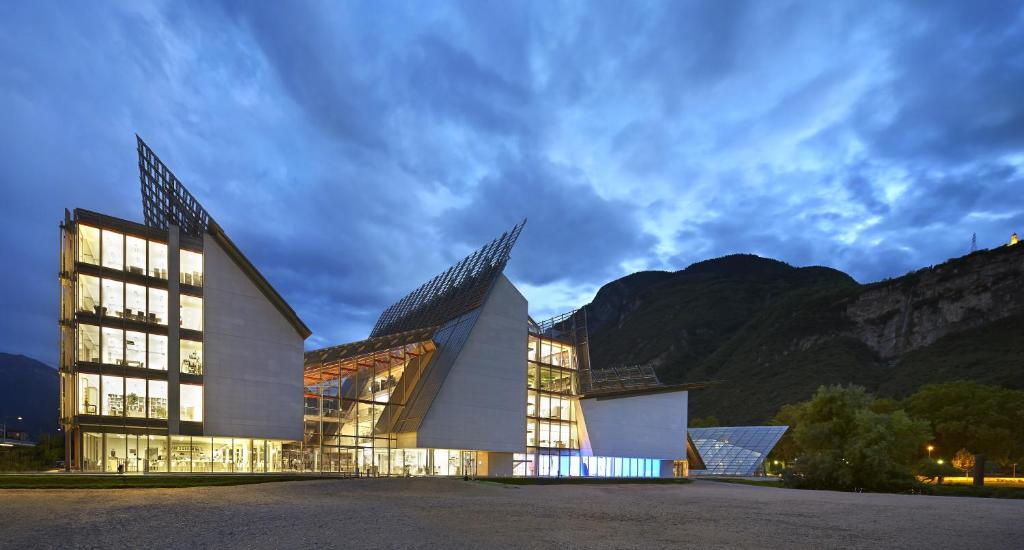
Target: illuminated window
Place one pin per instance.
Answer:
(113, 395)
(157, 352)
(157, 260)
(191, 312)
(88, 245)
(191, 402)
(113, 250)
(191, 357)
(157, 306)
(135, 255)
(113, 298)
(89, 343)
(135, 397)
(191, 268)
(88, 393)
(88, 294)
(158, 399)
(113, 346)
(135, 302)
(135, 349)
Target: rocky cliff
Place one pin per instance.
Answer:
(771, 333)
(901, 315)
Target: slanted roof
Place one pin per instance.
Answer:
(735, 450)
(460, 289)
(364, 347)
(166, 201)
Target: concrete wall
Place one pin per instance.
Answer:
(482, 404)
(252, 367)
(639, 426)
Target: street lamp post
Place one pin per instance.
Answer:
(930, 449)
(5, 426)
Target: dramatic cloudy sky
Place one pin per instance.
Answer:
(354, 150)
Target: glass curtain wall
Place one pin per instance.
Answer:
(141, 453)
(348, 411)
(120, 309)
(552, 439)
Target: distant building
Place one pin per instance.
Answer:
(178, 356)
(1013, 239)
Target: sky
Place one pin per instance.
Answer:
(353, 150)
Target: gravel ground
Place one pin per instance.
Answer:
(439, 513)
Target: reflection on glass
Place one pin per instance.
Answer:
(113, 249)
(88, 244)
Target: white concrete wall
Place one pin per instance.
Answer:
(482, 404)
(639, 426)
(252, 356)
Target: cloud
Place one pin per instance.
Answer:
(353, 151)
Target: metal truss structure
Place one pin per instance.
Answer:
(165, 200)
(461, 288)
(618, 379)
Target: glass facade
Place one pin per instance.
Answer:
(349, 407)
(115, 374)
(735, 451)
(141, 453)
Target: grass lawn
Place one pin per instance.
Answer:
(587, 480)
(66, 481)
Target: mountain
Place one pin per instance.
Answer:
(28, 389)
(769, 333)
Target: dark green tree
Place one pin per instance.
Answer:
(704, 422)
(841, 442)
(968, 415)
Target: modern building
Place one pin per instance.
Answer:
(735, 450)
(457, 379)
(178, 356)
(175, 353)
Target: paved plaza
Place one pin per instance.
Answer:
(446, 513)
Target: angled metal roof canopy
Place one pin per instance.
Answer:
(166, 202)
(164, 199)
(458, 290)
